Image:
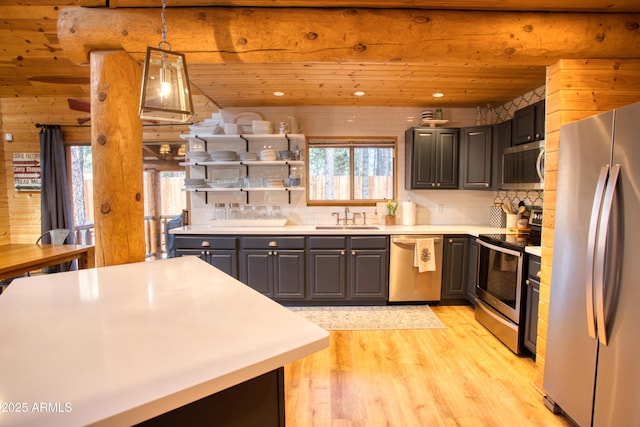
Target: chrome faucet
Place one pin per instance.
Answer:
(337, 215)
(346, 216)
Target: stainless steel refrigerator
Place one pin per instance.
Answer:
(592, 366)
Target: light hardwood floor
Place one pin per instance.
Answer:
(458, 376)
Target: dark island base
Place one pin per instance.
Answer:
(256, 402)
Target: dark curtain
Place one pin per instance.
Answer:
(55, 207)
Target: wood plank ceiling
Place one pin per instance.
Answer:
(32, 62)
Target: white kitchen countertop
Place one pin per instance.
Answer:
(121, 344)
(534, 250)
(473, 230)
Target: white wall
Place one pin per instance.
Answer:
(434, 206)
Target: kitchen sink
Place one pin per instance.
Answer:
(347, 227)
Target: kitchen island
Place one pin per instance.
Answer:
(123, 344)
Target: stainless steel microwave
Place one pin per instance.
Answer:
(523, 167)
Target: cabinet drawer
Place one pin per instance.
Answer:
(326, 242)
(369, 242)
(266, 242)
(534, 267)
(211, 242)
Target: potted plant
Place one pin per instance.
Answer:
(390, 218)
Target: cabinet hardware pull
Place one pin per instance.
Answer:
(205, 244)
(275, 253)
(527, 282)
(538, 273)
(270, 253)
(342, 252)
(353, 252)
(273, 244)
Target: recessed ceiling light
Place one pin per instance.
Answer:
(437, 94)
(359, 93)
(278, 93)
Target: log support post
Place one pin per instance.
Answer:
(116, 142)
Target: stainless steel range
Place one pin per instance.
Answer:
(500, 292)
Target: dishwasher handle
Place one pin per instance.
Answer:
(405, 241)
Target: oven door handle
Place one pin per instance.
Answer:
(499, 248)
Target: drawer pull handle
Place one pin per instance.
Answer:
(538, 273)
(205, 244)
(273, 244)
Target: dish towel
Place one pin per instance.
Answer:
(424, 256)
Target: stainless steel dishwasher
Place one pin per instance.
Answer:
(406, 284)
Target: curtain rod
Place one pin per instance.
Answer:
(44, 125)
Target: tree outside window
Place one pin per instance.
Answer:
(356, 171)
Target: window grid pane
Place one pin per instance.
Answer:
(330, 168)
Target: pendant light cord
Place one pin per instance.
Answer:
(164, 44)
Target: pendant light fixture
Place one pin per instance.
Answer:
(165, 94)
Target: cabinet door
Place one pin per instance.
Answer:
(447, 158)
(476, 155)
(257, 271)
(202, 254)
(369, 274)
(539, 120)
(420, 158)
(531, 317)
(501, 140)
(533, 297)
(523, 125)
(472, 273)
(454, 280)
(288, 279)
(327, 274)
(226, 261)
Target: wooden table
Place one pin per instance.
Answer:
(18, 259)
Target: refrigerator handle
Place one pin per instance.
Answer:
(603, 234)
(540, 165)
(591, 249)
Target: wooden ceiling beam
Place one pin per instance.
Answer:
(269, 35)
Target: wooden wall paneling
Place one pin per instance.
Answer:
(5, 234)
(20, 211)
(576, 89)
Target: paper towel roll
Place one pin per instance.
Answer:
(408, 213)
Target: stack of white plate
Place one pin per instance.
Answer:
(268, 155)
(261, 127)
(248, 156)
(273, 182)
(194, 183)
(223, 156)
(197, 156)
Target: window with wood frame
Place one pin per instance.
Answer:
(351, 170)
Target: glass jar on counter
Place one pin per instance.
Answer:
(234, 211)
(219, 211)
(261, 212)
(276, 212)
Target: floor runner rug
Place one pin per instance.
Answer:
(371, 317)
